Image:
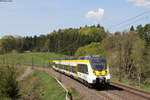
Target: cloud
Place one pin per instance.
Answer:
(140, 2)
(95, 15)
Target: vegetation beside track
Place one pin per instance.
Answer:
(38, 85)
(9, 87)
(41, 86)
(74, 93)
(131, 83)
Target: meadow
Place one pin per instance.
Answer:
(36, 58)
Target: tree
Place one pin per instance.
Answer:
(119, 54)
(119, 48)
(137, 57)
(144, 33)
(91, 49)
(132, 28)
(7, 44)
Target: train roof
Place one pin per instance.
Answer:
(82, 58)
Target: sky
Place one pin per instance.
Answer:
(36, 17)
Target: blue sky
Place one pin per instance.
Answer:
(35, 17)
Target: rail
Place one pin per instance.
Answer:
(132, 90)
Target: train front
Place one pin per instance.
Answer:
(100, 70)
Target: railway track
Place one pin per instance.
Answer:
(113, 92)
(133, 90)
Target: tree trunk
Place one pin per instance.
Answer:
(139, 77)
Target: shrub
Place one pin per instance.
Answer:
(91, 49)
(147, 82)
(8, 83)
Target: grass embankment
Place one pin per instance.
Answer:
(132, 84)
(37, 58)
(74, 94)
(41, 86)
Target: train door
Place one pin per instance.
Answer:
(83, 71)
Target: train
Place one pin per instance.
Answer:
(90, 70)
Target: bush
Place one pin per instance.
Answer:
(147, 82)
(91, 49)
(8, 83)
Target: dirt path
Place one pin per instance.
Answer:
(27, 72)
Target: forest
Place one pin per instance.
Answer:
(127, 52)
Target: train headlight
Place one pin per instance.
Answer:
(98, 73)
(103, 73)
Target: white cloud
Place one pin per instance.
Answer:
(140, 2)
(95, 15)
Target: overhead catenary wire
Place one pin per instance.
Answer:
(141, 19)
(130, 19)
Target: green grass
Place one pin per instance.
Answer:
(18, 69)
(52, 90)
(1, 98)
(41, 86)
(37, 58)
(74, 94)
(73, 91)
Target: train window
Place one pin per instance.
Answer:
(79, 68)
(70, 68)
(98, 63)
(73, 69)
(62, 66)
(83, 68)
(52, 64)
(65, 67)
(57, 65)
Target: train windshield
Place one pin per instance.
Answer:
(98, 64)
